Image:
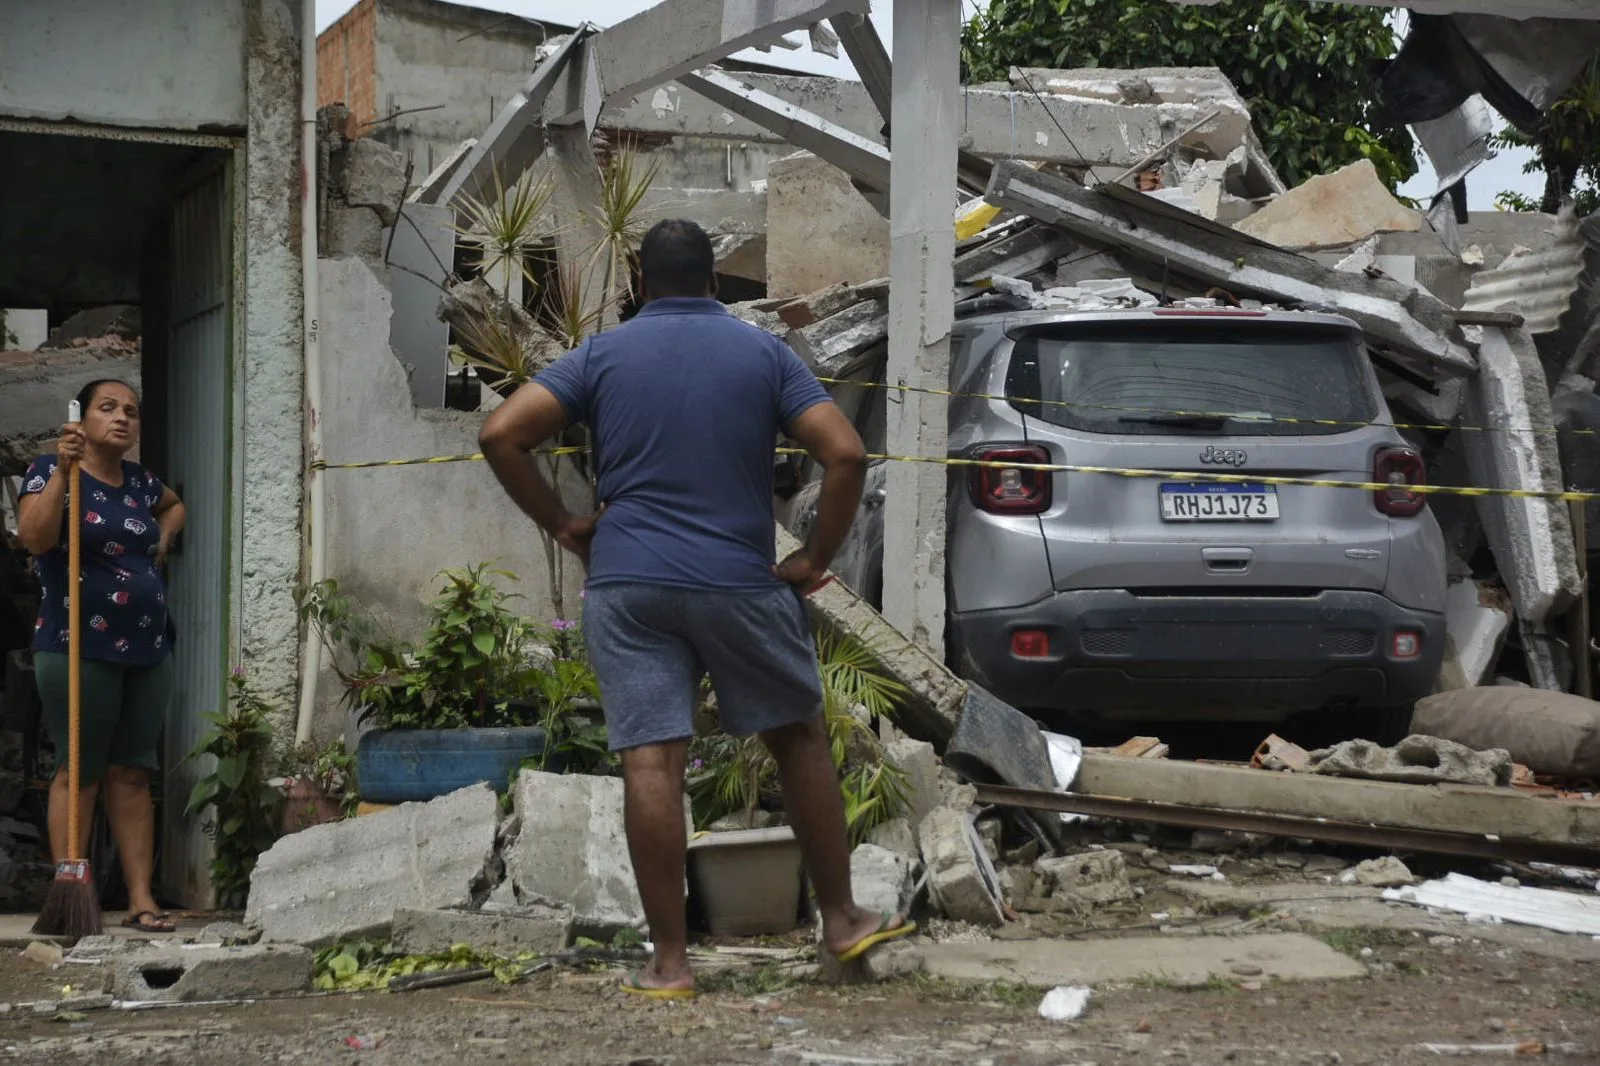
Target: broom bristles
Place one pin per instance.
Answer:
(71, 908)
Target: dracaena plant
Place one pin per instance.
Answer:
(734, 775)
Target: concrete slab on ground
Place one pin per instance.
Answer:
(1180, 960)
(1325, 908)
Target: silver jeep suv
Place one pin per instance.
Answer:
(1101, 597)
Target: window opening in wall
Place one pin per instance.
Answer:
(461, 387)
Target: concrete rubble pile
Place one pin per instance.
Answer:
(1501, 339)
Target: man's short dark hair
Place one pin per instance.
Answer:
(675, 259)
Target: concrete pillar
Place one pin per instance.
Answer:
(924, 124)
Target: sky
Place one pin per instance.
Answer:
(1501, 173)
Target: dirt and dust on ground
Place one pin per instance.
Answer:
(1420, 986)
(1467, 994)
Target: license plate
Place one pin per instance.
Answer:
(1216, 502)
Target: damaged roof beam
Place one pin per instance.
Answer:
(864, 160)
(1409, 322)
(869, 56)
(515, 139)
(657, 45)
(676, 37)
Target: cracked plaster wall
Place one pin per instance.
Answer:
(392, 529)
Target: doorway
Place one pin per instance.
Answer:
(92, 217)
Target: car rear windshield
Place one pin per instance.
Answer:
(1204, 377)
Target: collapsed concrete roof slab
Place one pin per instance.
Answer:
(1333, 210)
(995, 123)
(1531, 538)
(1140, 85)
(1414, 325)
(931, 706)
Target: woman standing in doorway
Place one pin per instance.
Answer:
(129, 520)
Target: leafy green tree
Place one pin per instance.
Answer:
(1566, 147)
(1302, 68)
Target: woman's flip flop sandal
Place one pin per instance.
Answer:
(884, 932)
(158, 923)
(633, 987)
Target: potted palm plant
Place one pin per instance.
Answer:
(748, 880)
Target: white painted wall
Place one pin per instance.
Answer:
(168, 64)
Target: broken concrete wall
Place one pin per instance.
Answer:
(820, 230)
(392, 529)
(1531, 538)
(345, 880)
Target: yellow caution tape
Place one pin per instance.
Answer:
(1180, 413)
(1115, 471)
(474, 457)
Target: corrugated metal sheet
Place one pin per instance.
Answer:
(197, 447)
(1537, 283)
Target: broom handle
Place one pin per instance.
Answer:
(74, 653)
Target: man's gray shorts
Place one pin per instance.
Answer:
(651, 644)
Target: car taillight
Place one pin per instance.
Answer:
(1030, 644)
(1002, 489)
(1400, 468)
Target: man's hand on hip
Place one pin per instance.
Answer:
(577, 533)
(800, 570)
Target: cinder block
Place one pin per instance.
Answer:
(184, 973)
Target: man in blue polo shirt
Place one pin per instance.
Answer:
(685, 404)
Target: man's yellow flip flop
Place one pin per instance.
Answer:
(884, 932)
(634, 987)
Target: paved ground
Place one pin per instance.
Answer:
(1416, 988)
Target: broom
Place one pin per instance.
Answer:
(71, 908)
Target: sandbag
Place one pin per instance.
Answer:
(1549, 732)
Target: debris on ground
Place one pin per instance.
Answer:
(43, 953)
(1564, 912)
(1417, 760)
(1064, 1003)
(1385, 872)
(344, 880)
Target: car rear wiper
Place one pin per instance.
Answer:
(1179, 421)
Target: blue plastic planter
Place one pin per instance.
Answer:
(402, 765)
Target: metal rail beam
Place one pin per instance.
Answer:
(1284, 825)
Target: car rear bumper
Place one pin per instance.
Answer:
(1113, 654)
